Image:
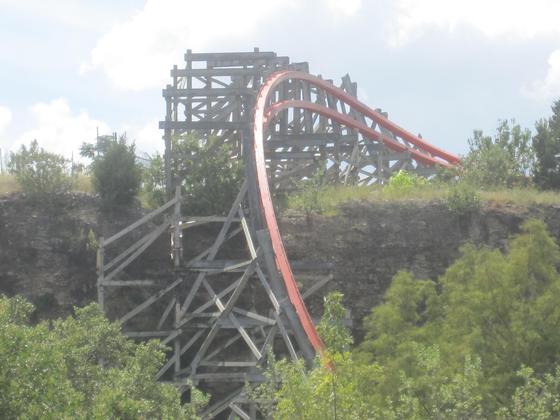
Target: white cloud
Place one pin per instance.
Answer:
(70, 13)
(148, 137)
(344, 7)
(58, 129)
(138, 53)
(5, 118)
(509, 18)
(549, 87)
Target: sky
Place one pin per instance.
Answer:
(439, 67)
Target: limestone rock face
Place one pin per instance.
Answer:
(45, 254)
(369, 243)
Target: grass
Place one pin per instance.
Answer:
(327, 200)
(9, 185)
(83, 184)
(521, 196)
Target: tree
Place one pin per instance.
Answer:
(81, 367)
(116, 174)
(503, 308)
(335, 386)
(506, 160)
(206, 170)
(153, 181)
(547, 148)
(339, 386)
(41, 174)
(537, 398)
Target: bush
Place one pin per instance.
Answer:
(546, 143)
(208, 174)
(505, 160)
(462, 199)
(311, 196)
(40, 174)
(116, 175)
(153, 182)
(404, 182)
(81, 367)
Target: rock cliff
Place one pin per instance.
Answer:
(46, 255)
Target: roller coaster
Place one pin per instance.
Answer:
(231, 299)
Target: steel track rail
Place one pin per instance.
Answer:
(264, 113)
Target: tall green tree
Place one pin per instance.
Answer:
(81, 367)
(115, 172)
(503, 308)
(546, 143)
(209, 175)
(504, 160)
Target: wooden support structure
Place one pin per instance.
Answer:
(221, 314)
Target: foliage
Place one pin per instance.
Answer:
(503, 308)
(546, 143)
(340, 386)
(41, 174)
(80, 367)
(116, 175)
(331, 329)
(153, 182)
(311, 196)
(462, 199)
(336, 387)
(210, 177)
(537, 398)
(402, 183)
(91, 242)
(503, 161)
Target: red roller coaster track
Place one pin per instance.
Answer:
(263, 114)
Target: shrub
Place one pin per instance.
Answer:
(403, 182)
(462, 199)
(153, 182)
(208, 174)
(504, 160)
(546, 143)
(116, 175)
(41, 174)
(311, 197)
(81, 367)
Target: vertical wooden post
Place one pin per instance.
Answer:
(177, 342)
(101, 272)
(177, 255)
(177, 242)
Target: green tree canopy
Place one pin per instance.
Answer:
(81, 367)
(504, 160)
(115, 172)
(547, 148)
(209, 174)
(41, 174)
(503, 308)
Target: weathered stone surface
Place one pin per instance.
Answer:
(369, 243)
(44, 254)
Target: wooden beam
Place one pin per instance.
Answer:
(208, 92)
(129, 283)
(203, 125)
(139, 222)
